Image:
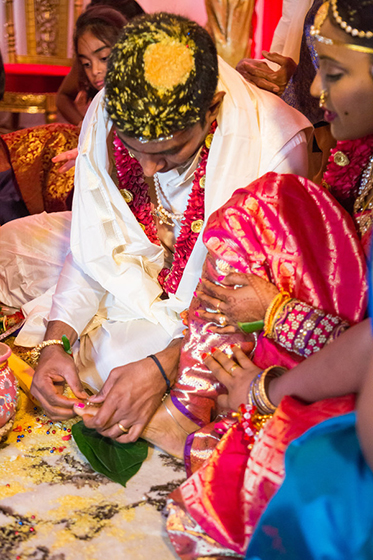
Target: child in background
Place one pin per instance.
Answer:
(71, 99)
(96, 31)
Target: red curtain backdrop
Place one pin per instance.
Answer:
(266, 17)
(34, 78)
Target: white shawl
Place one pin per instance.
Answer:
(106, 240)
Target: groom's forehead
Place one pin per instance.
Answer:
(172, 145)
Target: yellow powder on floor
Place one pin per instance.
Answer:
(11, 489)
(63, 537)
(70, 503)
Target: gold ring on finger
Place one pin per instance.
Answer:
(232, 368)
(222, 320)
(217, 307)
(124, 430)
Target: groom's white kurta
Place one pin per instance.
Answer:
(108, 287)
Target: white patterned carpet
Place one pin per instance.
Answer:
(54, 507)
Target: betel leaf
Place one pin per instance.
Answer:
(117, 461)
(66, 344)
(254, 326)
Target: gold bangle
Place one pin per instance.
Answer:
(258, 389)
(269, 373)
(272, 309)
(275, 315)
(37, 350)
(269, 310)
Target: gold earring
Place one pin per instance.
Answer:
(323, 97)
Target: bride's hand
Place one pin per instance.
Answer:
(69, 157)
(242, 297)
(235, 373)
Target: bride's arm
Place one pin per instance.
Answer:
(365, 416)
(338, 369)
(291, 323)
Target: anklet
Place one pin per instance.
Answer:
(173, 417)
(165, 396)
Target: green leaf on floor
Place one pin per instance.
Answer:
(117, 461)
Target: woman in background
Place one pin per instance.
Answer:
(290, 71)
(96, 32)
(74, 84)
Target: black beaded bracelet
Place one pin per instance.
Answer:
(155, 359)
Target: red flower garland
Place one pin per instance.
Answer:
(195, 211)
(342, 180)
(131, 179)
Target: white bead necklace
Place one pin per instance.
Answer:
(165, 217)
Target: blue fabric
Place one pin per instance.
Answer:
(370, 281)
(324, 509)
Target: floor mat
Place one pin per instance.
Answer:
(53, 506)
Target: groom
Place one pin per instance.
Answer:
(195, 126)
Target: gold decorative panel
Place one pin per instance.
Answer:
(30, 103)
(47, 31)
(47, 27)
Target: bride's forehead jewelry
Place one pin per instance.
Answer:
(320, 19)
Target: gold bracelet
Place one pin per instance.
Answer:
(269, 310)
(258, 390)
(276, 314)
(269, 373)
(64, 343)
(46, 343)
(272, 310)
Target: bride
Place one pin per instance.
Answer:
(216, 511)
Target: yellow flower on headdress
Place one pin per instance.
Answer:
(168, 64)
(151, 83)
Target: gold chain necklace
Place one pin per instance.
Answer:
(165, 216)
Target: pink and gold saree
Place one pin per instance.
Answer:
(292, 233)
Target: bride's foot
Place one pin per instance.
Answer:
(168, 429)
